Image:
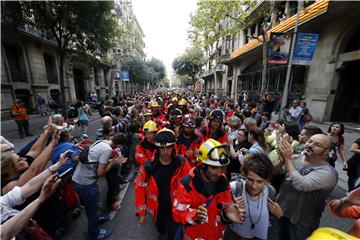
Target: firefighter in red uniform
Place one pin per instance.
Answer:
(214, 128)
(157, 182)
(188, 141)
(146, 149)
(203, 203)
(182, 104)
(175, 121)
(158, 117)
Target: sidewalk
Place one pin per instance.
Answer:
(9, 129)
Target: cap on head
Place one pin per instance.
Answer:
(189, 121)
(216, 114)
(213, 153)
(176, 113)
(165, 137)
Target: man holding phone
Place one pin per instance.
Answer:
(85, 181)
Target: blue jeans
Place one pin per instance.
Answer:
(89, 194)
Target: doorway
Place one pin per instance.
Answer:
(79, 84)
(347, 99)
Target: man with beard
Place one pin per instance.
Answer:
(146, 149)
(203, 203)
(308, 183)
(188, 141)
(157, 182)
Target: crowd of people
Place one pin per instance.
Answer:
(204, 168)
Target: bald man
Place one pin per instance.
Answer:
(308, 183)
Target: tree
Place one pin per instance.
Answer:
(88, 27)
(143, 72)
(190, 63)
(209, 24)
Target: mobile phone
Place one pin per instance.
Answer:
(66, 173)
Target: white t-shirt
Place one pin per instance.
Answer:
(8, 201)
(86, 174)
(257, 206)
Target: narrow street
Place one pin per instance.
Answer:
(124, 223)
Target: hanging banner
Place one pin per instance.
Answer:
(116, 75)
(278, 48)
(305, 48)
(125, 76)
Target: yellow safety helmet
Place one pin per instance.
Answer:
(154, 104)
(182, 102)
(174, 99)
(327, 233)
(150, 126)
(165, 137)
(213, 153)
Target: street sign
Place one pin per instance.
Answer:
(125, 76)
(305, 48)
(278, 48)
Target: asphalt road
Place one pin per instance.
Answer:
(124, 223)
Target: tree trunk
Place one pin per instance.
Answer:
(62, 83)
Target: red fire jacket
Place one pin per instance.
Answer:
(146, 189)
(144, 151)
(190, 195)
(181, 148)
(218, 135)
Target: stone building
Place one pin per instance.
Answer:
(330, 85)
(29, 67)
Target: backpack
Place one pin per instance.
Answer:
(84, 155)
(239, 186)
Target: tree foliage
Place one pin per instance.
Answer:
(209, 23)
(143, 72)
(190, 63)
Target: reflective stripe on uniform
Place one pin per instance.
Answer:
(151, 211)
(142, 184)
(182, 207)
(190, 221)
(140, 208)
(140, 155)
(153, 197)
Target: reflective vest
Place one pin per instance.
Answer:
(146, 189)
(194, 146)
(191, 194)
(144, 151)
(218, 135)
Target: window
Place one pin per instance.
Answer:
(50, 68)
(15, 60)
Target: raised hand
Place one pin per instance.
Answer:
(56, 137)
(49, 187)
(235, 214)
(63, 157)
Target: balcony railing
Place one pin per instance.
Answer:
(36, 32)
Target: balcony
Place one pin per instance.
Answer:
(220, 68)
(37, 33)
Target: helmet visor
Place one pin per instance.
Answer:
(219, 154)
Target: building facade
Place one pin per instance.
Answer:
(329, 85)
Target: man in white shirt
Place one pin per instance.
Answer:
(294, 113)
